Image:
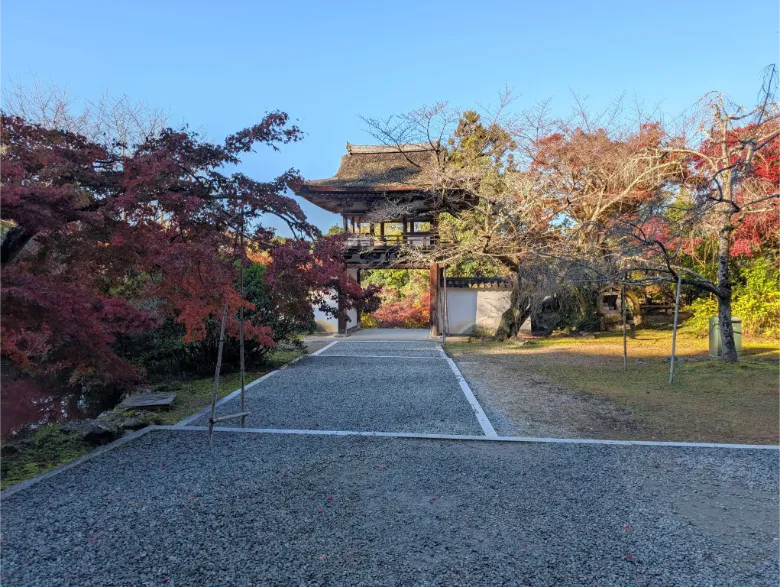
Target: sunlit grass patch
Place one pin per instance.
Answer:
(710, 400)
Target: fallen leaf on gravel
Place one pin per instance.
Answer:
(434, 498)
(322, 558)
(628, 527)
(320, 510)
(330, 499)
(380, 467)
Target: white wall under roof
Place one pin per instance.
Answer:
(467, 309)
(470, 308)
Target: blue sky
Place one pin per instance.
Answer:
(220, 65)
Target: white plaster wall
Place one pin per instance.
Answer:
(461, 310)
(468, 308)
(325, 323)
(352, 315)
(491, 304)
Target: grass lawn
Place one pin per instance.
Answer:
(710, 401)
(48, 447)
(194, 395)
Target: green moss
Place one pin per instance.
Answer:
(47, 448)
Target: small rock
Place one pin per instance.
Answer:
(640, 362)
(93, 431)
(132, 423)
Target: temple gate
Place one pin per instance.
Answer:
(380, 185)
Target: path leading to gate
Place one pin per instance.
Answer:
(365, 386)
(345, 478)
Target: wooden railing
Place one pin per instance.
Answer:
(415, 239)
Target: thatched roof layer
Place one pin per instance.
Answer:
(368, 173)
(379, 167)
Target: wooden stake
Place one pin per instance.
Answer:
(625, 342)
(674, 327)
(216, 374)
(241, 323)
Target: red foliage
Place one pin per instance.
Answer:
(753, 227)
(99, 245)
(406, 313)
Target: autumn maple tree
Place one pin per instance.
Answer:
(100, 242)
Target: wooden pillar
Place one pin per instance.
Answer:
(342, 319)
(358, 310)
(346, 227)
(433, 320)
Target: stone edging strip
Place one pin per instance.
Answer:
(482, 418)
(523, 439)
(411, 435)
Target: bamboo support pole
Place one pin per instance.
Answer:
(674, 327)
(216, 373)
(231, 416)
(241, 324)
(625, 341)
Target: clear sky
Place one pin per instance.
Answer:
(219, 65)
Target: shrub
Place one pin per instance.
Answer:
(756, 302)
(702, 310)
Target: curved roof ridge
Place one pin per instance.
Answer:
(401, 148)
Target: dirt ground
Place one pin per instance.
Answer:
(520, 402)
(574, 387)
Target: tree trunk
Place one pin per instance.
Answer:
(724, 299)
(513, 318)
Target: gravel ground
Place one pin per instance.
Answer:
(364, 394)
(524, 403)
(315, 510)
(394, 349)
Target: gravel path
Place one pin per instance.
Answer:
(360, 393)
(315, 510)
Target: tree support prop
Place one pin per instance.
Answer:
(241, 415)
